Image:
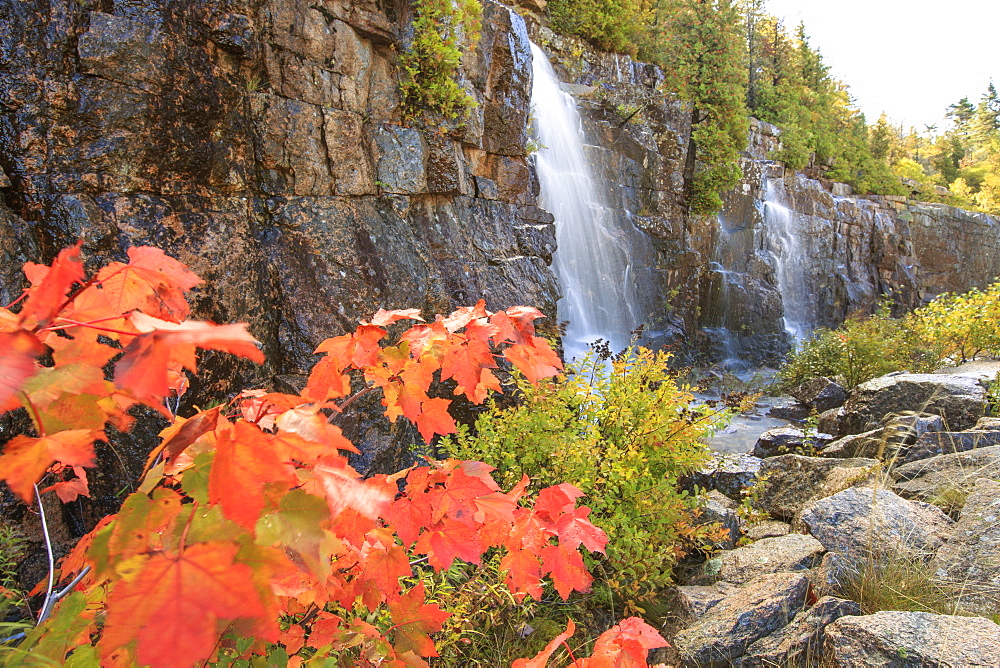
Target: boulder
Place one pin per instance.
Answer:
(796, 412)
(789, 483)
(970, 560)
(831, 572)
(829, 421)
(867, 444)
(946, 475)
(783, 440)
(691, 603)
(729, 474)
(862, 521)
(959, 400)
(912, 639)
(801, 642)
(767, 529)
(988, 424)
(756, 610)
(820, 394)
(720, 508)
(793, 552)
(948, 442)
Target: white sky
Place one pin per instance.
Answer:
(908, 58)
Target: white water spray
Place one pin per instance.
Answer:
(594, 254)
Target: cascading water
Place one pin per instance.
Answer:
(595, 252)
(786, 247)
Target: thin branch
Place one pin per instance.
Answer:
(78, 323)
(47, 606)
(68, 588)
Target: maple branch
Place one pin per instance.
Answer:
(73, 323)
(77, 323)
(47, 605)
(74, 582)
(16, 301)
(357, 395)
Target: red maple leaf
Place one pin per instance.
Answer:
(625, 645)
(414, 620)
(166, 346)
(574, 528)
(17, 364)
(523, 574)
(172, 607)
(50, 285)
(383, 317)
(25, 459)
(245, 461)
(535, 361)
(434, 419)
(557, 499)
(447, 540)
(151, 282)
(566, 568)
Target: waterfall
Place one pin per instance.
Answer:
(786, 247)
(595, 248)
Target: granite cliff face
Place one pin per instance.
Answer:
(261, 143)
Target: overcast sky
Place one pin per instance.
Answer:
(908, 58)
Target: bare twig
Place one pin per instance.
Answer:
(47, 606)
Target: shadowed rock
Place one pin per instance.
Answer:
(912, 639)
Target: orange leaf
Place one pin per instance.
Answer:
(17, 364)
(245, 461)
(167, 346)
(383, 317)
(49, 285)
(434, 419)
(414, 620)
(567, 569)
(25, 459)
(541, 659)
(626, 644)
(173, 605)
(69, 490)
(343, 488)
(151, 282)
(524, 574)
(535, 361)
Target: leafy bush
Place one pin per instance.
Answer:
(859, 350)
(954, 328)
(623, 432)
(442, 29)
(961, 326)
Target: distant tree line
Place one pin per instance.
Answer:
(733, 60)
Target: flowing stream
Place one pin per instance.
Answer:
(596, 250)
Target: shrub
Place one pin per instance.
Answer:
(859, 350)
(623, 432)
(442, 29)
(961, 326)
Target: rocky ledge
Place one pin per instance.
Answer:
(906, 487)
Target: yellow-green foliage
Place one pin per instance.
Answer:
(952, 328)
(623, 432)
(864, 347)
(961, 326)
(442, 29)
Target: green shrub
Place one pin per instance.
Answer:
(442, 29)
(623, 432)
(961, 326)
(864, 347)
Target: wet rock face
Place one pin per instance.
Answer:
(261, 143)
